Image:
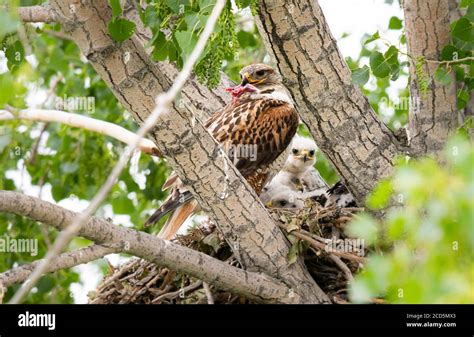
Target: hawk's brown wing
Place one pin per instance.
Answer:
(265, 126)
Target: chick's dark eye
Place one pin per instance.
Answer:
(282, 202)
(260, 73)
(295, 151)
(311, 153)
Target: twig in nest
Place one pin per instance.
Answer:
(207, 290)
(343, 267)
(322, 246)
(169, 296)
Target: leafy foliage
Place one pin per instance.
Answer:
(431, 236)
(456, 57)
(176, 26)
(63, 164)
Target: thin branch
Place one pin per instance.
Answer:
(83, 122)
(253, 285)
(177, 293)
(163, 102)
(41, 13)
(342, 266)
(449, 62)
(207, 290)
(322, 246)
(63, 261)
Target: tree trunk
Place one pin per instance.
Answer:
(135, 80)
(433, 115)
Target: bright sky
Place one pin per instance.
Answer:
(359, 17)
(355, 17)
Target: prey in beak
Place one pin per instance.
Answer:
(240, 89)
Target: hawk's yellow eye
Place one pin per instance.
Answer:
(260, 73)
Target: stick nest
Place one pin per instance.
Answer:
(315, 232)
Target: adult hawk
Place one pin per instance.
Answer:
(261, 116)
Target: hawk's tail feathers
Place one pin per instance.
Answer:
(175, 222)
(171, 204)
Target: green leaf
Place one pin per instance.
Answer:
(116, 8)
(403, 39)
(462, 29)
(121, 29)
(442, 76)
(465, 3)
(243, 3)
(293, 252)
(15, 54)
(462, 99)
(379, 65)
(395, 23)
(186, 41)
(391, 55)
(449, 53)
(380, 196)
(374, 37)
(177, 6)
(7, 24)
(470, 13)
(7, 91)
(360, 76)
(460, 73)
(246, 39)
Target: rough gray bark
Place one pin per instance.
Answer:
(63, 261)
(338, 115)
(40, 13)
(190, 149)
(433, 116)
(257, 286)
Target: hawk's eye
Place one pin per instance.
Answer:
(260, 73)
(311, 153)
(295, 151)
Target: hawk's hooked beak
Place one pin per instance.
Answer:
(269, 204)
(305, 156)
(248, 79)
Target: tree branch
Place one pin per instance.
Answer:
(188, 146)
(41, 13)
(338, 115)
(163, 102)
(63, 261)
(83, 122)
(433, 116)
(255, 286)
